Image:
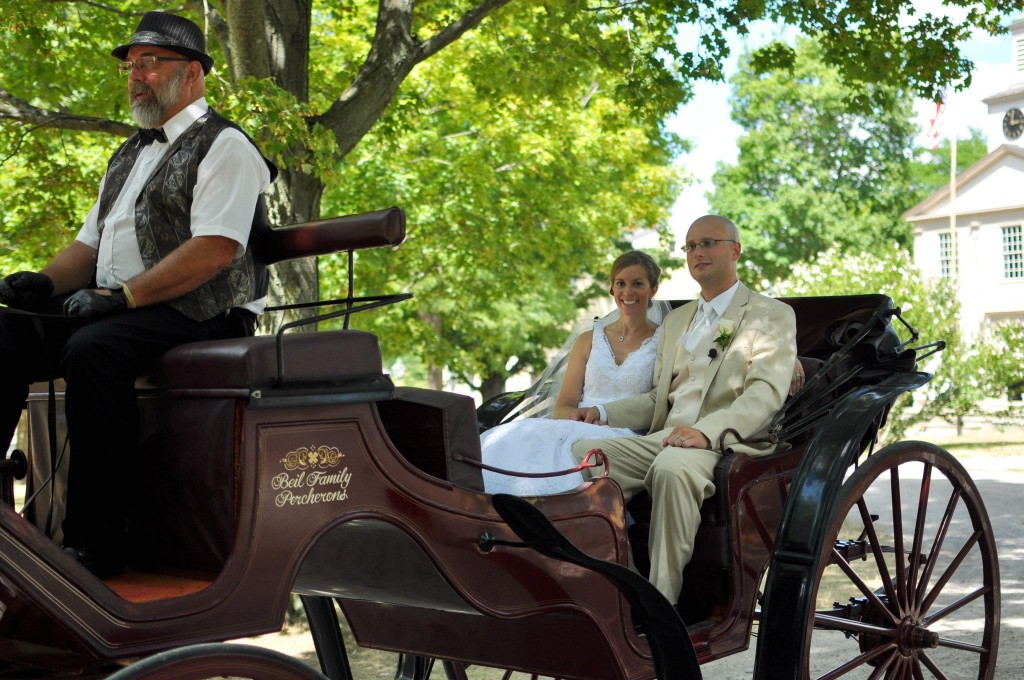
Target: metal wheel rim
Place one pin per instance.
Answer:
(218, 660)
(895, 640)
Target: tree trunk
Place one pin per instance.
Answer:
(435, 373)
(492, 386)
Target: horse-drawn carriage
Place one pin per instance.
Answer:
(289, 464)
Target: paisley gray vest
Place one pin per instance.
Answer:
(163, 216)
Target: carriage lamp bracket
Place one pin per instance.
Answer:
(931, 347)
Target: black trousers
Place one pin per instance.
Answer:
(99, 361)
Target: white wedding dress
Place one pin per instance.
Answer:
(545, 445)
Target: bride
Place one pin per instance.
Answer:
(612, 361)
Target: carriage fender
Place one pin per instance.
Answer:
(808, 510)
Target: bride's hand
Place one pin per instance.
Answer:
(590, 415)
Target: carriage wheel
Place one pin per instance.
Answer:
(897, 596)
(218, 660)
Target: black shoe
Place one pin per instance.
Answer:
(100, 564)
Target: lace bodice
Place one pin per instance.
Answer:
(605, 381)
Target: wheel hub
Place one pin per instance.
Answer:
(912, 636)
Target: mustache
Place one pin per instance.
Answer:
(137, 88)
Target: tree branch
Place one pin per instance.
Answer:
(393, 55)
(19, 110)
(456, 29)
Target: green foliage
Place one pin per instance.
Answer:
(813, 173)
(512, 199)
(48, 181)
(1001, 356)
(966, 372)
(282, 124)
(929, 169)
(929, 306)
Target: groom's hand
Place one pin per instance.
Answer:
(591, 415)
(687, 438)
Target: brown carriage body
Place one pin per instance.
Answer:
(294, 465)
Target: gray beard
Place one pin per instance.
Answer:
(152, 111)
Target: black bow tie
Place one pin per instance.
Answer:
(149, 135)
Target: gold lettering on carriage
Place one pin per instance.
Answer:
(311, 476)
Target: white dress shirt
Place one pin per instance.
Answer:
(229, 181)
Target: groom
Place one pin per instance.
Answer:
(724, 361)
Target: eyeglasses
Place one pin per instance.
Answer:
(706, 244)
(145, 64)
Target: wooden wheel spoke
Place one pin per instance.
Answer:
(860, 660)
(950, 570)
(930, 665)
(826, 621)
(963, 646)
(922, 512)
(863, 587)
(944, 572)
(882, 669)
(950, 608)
(897, 531)
(904, 668)
(940, 537)
(876, 550)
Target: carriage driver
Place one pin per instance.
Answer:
(724, 361)
(161, 260)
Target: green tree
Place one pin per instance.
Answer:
(512, 200)
(929, 306)
(814, 172)
(929, 168)
(1001, 356)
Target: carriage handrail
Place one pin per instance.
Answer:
(372, 302)
(323, 237)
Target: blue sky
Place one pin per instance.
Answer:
(705, 120)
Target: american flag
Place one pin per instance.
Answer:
(934, 134)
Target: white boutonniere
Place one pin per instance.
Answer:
(726, 329)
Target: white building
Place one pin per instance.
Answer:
(973, 230)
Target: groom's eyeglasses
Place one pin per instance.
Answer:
(706, 244)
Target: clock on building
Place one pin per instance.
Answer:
(1013, 123)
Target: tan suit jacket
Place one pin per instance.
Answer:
(745, 384)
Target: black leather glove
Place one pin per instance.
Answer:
(25, 290)
(89, 304)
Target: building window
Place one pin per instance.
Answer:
(1013, 252)
(945, 255)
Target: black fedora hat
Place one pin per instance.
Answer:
(163, 29)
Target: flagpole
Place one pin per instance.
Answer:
(954, 253)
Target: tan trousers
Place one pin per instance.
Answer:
(678, 479)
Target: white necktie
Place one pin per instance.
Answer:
(706, 315)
